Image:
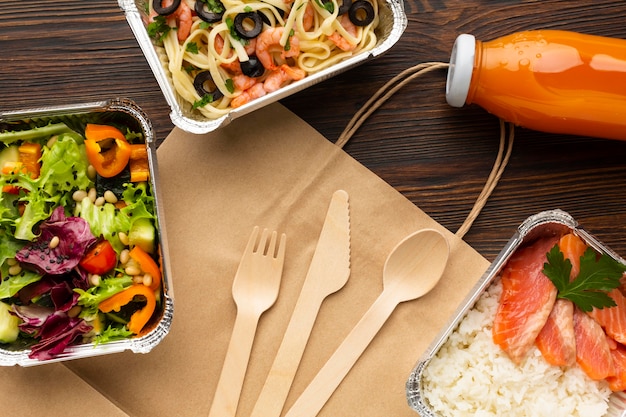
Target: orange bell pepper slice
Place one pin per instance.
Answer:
(107, 149)
(139, 167)
(30, 157)
(29, 163)
(147, 265)
(139, 318)
(10, 168)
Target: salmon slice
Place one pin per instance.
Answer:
(618, 382)
(526, 301)
(572, 247)
(556, 341)
(593, 353)
(613, 319)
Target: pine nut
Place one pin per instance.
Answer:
(147, 280)
(110, 197)
(123, 238)
(52, 141)
(138, 279)
(11, 261)
(91, 172)
(94, 280)
(54, 242)
(124, 255)
(15, 270)
(92, 194)
(132, 270)
(99, 202)
(79, 195)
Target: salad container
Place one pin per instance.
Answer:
(393, 22)
(547, 223)
(121, 112)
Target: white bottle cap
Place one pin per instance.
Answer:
(460, 70)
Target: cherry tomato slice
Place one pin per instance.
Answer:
(100, 259)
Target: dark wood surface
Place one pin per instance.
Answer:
(66, 52)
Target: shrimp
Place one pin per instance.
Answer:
(184, 17)
(282, 75)
(253, 89)
(307, 19)
(341, 42)
(234, 66)
(268, 42)
(248, 95)
(243, 82)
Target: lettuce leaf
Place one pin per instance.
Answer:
(63, 169)
(90, 298)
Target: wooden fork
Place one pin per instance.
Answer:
(255, 289)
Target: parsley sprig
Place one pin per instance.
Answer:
(597, 277)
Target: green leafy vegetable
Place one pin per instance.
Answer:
(192, 48)
(35, 133)
(597, 277)
(230, 85)
(112, 333)
(206, 99)
(90, 298)
(158, 29)
(328, 5)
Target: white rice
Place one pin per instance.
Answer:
(471, 376)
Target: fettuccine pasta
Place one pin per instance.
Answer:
(222, 55)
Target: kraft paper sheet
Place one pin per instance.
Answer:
(273, 170)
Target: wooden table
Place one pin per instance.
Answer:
(65, 52)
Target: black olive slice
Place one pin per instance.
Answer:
(164, 11)
(243, 20)
(208, 15)
(200, 84)
(252, 67)
(361, 13)
(345, 7)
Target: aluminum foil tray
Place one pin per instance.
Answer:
(541, 224)
(393, 22)
(125, 112)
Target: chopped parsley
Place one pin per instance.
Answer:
(597, 277)
(230, 85)
(158, 29)
(230, 24)
(192, 48)
(214, 6)
(328, 5)
(206, 99)
(288, 43)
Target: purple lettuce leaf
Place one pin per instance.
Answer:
(74, 238)
(54, 329)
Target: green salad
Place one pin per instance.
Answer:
(79, 254)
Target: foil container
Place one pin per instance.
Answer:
(553, 222)
(393, 22)
(76, 116)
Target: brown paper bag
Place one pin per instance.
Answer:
(273, 170)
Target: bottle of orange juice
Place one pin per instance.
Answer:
(546, 80)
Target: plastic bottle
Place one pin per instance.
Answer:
(551, 81)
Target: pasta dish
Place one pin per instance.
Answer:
(224, 54)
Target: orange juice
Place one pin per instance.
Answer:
(548, 80)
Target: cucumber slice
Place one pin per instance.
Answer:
(143, 234)
(9, 154)
(8, 324)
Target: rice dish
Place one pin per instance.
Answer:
(470, 375)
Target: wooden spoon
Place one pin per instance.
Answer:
(411, 270)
